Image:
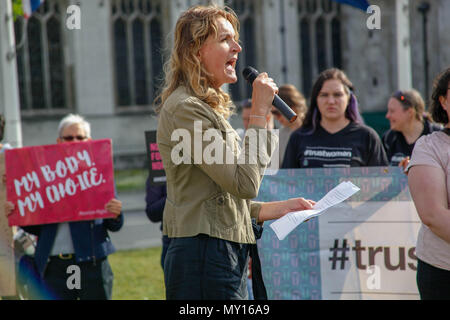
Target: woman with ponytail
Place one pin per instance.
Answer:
(333, 133)
(409, 121)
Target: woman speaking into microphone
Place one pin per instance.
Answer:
(209, 211)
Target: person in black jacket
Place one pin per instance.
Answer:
(155, 200)
(333, 133)
(408, 120)
(85, 244)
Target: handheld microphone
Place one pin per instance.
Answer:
(250, 75)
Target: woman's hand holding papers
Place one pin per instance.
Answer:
(298, 204)
(286, 224)
(277, 209)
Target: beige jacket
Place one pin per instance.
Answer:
(205, 196)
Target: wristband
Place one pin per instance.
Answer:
(256, 116)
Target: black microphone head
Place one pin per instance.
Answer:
(250, 74)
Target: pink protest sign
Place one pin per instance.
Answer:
(157, 175)
(60, 182)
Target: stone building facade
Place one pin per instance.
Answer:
(110, 69)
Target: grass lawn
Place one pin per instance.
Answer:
(137, 274)
(130, 179)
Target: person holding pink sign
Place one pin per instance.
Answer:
(82, 246)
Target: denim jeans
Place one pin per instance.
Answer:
(433, 283)
(165, 246)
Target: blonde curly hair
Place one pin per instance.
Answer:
(184, 68)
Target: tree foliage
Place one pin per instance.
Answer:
(17, 8)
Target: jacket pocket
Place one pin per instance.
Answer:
(223, 211)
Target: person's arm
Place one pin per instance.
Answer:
(155, 199)
(429, 192)
(114, 206)
(264, 90)
(9, 207)
(156, 209)
(242, 175)
(114, 224)
(192, 118)
(277, 209)
(404, 164)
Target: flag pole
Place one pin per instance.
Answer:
(9, 88)
(403, 40)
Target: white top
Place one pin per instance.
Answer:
(63, 240)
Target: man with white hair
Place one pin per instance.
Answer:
(85, 244)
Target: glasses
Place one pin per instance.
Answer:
(71, 138)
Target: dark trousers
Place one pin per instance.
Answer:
(96, 280)
(206, 268)
(165, 246)
(433, 283)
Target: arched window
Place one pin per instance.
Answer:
(245, 10)
(138, 58)
(44, 83)
(320, 38)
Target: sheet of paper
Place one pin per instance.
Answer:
(283, 226)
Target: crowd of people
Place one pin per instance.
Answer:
(330, 132)
(209, 220)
